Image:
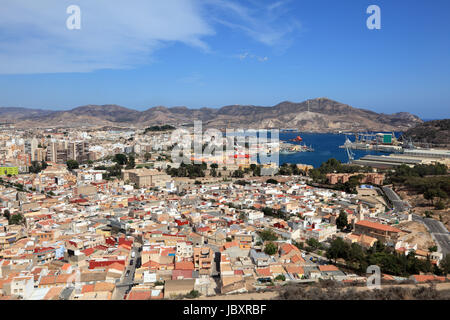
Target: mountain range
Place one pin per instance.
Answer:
(315, 115)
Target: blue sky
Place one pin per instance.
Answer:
(211, 53)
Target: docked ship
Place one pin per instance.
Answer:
(288, 148)
(383, 142)
(297, 139)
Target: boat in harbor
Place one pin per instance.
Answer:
(297, 139)
(288, 148)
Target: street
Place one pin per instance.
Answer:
(397, 202)
(126, 282)
(438, 231)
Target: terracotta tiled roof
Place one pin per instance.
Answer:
(378, 226)
(264, 272)
(294, 269)
(425, 278)
(139, 295)
(184, 265)
(328, 267)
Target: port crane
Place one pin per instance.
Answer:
(348, 148)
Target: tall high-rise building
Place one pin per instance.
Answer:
(30, 148)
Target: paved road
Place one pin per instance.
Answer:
(125, 283)
(397, 202)
(438, 231)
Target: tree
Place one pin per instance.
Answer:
(72, 164)
(338, 249)
(272, 181)
(7, 214)
(214, 166)
(35, 167)
(147, 156)
(445, 264)
(238, 174)
(193, 294)
(313, 243)
(430, 194)
(131, 163)
(267, 235)
(121, 159)
(341, 221)
(16, 219)
(280, 277)
(270, 249)
(440, 205)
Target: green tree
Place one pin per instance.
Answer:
(280, 277)
(193, 294)
(430, 194)
(72, 164)
(130, 163)
(267, 235)
(147, 156)
(238, 174)
(120, 159)
(16, 219)
(445, 264)
(7, 214)
(338, 249)
(341, 221)
(35, 167)
(440, 205)
(270, 249)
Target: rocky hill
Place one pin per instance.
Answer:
(434, 133)
(317, 115)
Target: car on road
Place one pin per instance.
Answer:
(127, 273)
(131, 262)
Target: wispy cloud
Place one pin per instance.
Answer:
(118, 34)
(124, 34)
(246, 55)
(270, 24)
(193, 79)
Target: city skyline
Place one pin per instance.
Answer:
(217, 53)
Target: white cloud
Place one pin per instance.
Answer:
(271, 24)
(246, 55)
(193, 79)
(114, 34)
(123, 34)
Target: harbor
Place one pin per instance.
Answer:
(383, 155)
(381, 142)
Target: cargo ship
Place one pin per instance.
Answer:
(383, 142)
